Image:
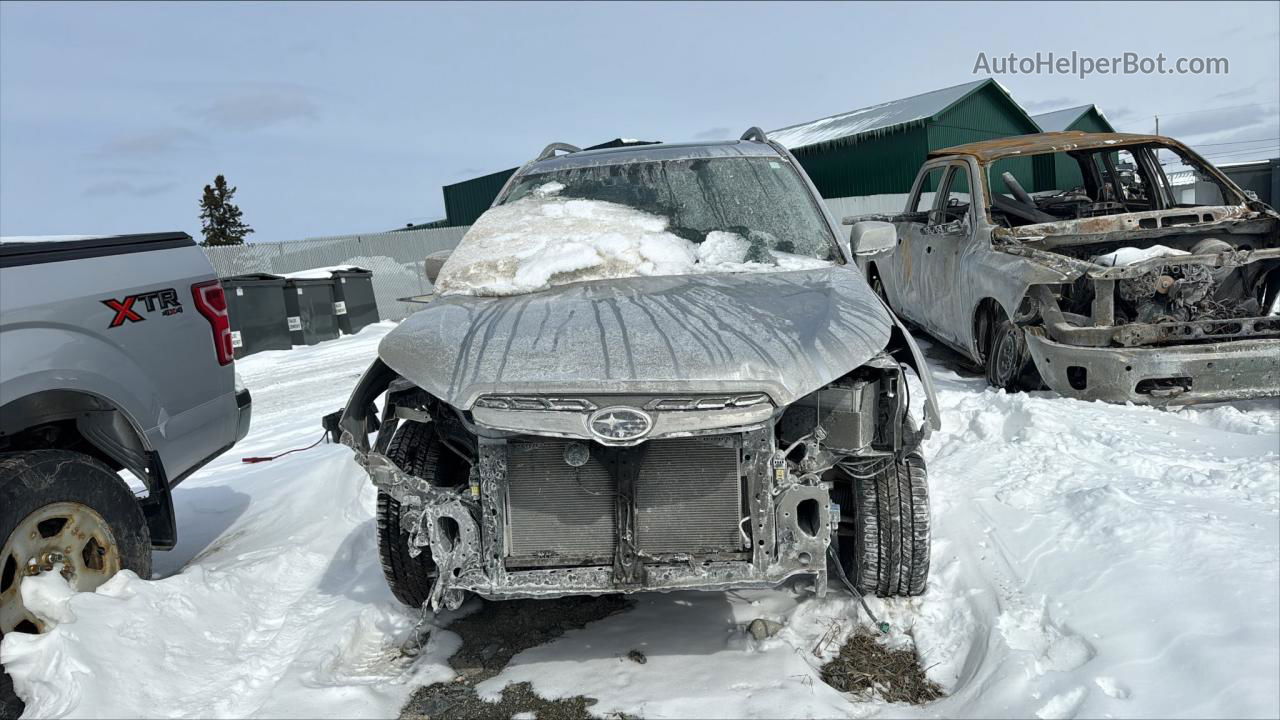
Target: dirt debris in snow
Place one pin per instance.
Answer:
(491, 636)
(864, 666)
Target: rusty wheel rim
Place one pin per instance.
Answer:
(68, 534)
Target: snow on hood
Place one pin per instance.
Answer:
(544, 240)
(784, 333)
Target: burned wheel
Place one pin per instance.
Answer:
(883, 542)
(1008, 362)
(64, 512)
(415, 450)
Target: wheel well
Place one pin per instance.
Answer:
(986, 316)
(74, 420)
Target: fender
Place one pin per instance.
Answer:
(915, 360)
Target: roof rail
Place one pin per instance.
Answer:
(754, 133)
(550, 150)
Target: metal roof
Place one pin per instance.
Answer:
(1063, 119)
(1051, 142)
(875, 118)
(1060, 120)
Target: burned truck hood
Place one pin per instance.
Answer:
(781, 333)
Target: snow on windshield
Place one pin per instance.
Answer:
(543, 240)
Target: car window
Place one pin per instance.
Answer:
(761, 199)
(958, 199)
(1190, 182)
(925, 194)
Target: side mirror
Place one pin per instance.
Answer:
(872, 236)
(431, 266)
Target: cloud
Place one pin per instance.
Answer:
(111, 188)
(1213, 122)
(148, 144)
(260, 108)
(1236, 94)
(1035, 107)
(715, 133)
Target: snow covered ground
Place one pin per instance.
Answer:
(1089, 560)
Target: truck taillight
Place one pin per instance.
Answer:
(212, 304)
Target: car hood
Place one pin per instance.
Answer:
(785, 334)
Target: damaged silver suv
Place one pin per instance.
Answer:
(648, 368)
(1106, 266)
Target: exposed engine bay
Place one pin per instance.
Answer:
(508, 514)
(1180, 291)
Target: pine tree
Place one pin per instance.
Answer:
(219, 217)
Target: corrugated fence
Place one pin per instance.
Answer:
(396, 258)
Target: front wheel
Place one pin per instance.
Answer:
(415, 450)
(883, 543)
(1008, 362)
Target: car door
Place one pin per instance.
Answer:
(900, 272)
(946, 237)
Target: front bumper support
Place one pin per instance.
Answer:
(1168, 375)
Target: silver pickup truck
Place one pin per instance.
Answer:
(115, 354)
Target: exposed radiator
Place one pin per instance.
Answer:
(688, 500)
(556, 509)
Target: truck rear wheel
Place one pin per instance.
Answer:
(884, 528)
(63, 511)
(415, 450)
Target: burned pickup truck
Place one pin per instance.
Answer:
(648, 368)
(1106, 266)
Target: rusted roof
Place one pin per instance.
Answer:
(1049, 142)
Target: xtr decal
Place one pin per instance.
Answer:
(164, 300)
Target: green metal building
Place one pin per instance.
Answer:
(878, 150)
(467, 200)
(1085, 118)
(875, 150)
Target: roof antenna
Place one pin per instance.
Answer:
(754, 133)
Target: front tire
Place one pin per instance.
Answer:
(1008, 362)
(884, 528)
(415, 450)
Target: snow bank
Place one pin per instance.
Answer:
(544, 240)
(320, 273)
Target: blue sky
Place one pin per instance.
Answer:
(334, 118)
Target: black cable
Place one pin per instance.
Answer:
(323, 435)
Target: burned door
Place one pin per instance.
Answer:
(902, 271)
(947, 239)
